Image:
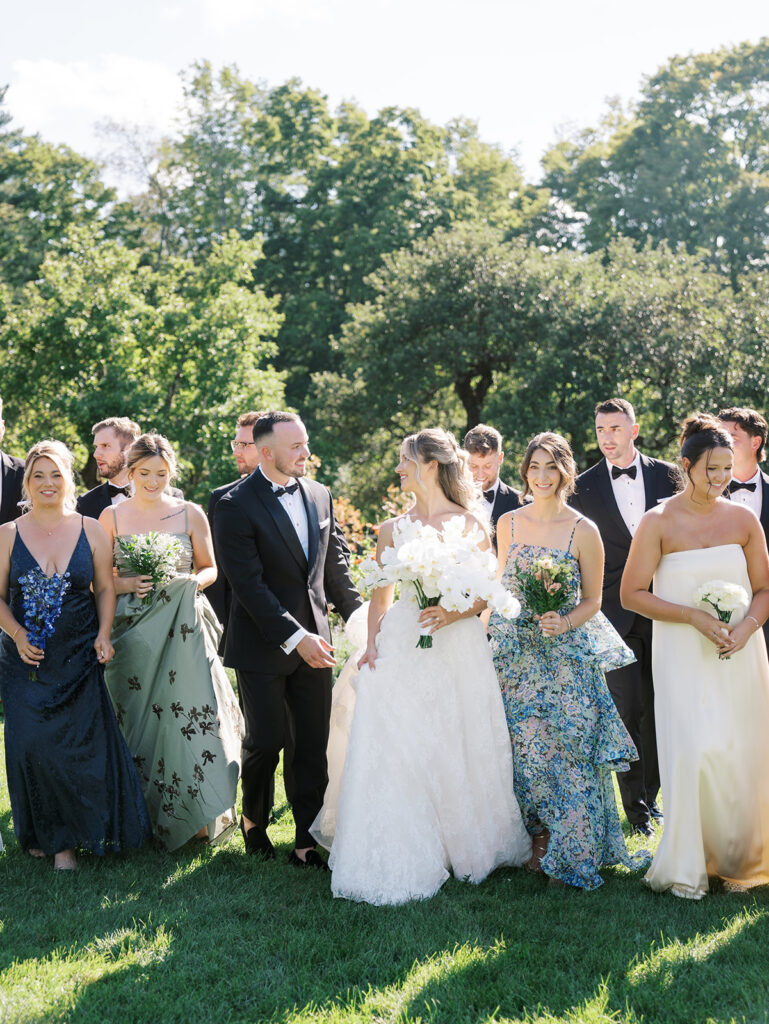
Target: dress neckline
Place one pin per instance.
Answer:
(543, 547)
(69, 561)
(713, 547)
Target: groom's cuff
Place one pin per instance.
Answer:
(288, 646)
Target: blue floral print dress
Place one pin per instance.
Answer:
(566, 733)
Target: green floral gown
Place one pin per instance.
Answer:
(176, 706)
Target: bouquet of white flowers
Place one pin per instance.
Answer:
(151, 554)
(446, 567)
(724, 597)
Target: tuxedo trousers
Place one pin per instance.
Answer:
(290, 713)
(632, 689)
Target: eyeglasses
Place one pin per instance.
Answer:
(239, 446)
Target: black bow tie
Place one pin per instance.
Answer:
(738, 485)
(113, 490)
(616, 472)
(490, 495)
(280, 491)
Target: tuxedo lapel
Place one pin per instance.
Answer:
(280, 518)
(313, 529)
(5, 513)
(650, 483)
(764, 501)
(606, 492)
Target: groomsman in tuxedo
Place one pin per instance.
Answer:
(749, 485)
(111, 440)
(280, 550)
(11, 476)
(484, 447)
(244, 450)
(615, 493)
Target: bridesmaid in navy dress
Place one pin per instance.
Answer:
(71, 779)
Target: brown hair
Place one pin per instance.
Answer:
(559, 450)
(454, 478)
(127, 431)
(482, 440)
(700, 434)
(616, 405)
(248, 419)
(146, 447)
(62, 458)
(752, 422)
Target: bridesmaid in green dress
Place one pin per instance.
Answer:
(172, 697)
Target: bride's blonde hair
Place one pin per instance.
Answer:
(62, 458)
(454, 478)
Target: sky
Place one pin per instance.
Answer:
(526, 72)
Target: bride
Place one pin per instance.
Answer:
(420, 766)
(711, 683)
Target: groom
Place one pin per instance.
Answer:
(285, 560)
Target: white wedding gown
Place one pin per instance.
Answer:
(713, 738)
(420, 765)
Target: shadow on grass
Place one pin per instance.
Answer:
(215, 935)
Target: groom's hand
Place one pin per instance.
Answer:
(316, 651)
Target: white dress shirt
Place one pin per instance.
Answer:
(297, 513)
(630, 495)
(486, 507)
(753, 499)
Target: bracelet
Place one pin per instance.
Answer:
(15, 634)
(566, 616)
(758, 624)
(683, 613)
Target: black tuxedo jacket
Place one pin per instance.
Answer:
(93, 502)
(764, 517)
(507, 500)
(275, 589)
(220, 591)
(594, 498)
(12, 472)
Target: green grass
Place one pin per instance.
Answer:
(212, 935)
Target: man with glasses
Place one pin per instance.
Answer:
(246, 459)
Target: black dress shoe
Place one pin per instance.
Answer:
(643, 828)
(654, 811)
(257, 842)
(312, 860)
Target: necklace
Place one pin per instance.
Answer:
(45, 530)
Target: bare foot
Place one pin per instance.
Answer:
(538, 850)
(65, 860)
(202, 833)
(37, 854)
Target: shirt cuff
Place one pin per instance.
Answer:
(288, 646)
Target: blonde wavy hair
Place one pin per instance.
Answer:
(454, 477)
(62, 458)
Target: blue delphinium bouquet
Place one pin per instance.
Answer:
(42, 596)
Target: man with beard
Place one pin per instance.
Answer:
(111, 440)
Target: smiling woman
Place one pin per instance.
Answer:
(71, 778)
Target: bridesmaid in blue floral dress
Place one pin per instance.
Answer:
(567, 735)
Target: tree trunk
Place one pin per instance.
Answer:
(471, 389)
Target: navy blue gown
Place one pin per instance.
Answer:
(71, 779)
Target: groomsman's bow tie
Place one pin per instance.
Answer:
(738, 485)
(489, 496)
(280, 491)
(113, 490)
(616, 472)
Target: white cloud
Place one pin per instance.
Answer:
(64, 100)
(224, 15)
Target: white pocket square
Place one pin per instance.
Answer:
(323, 524)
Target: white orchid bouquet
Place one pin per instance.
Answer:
(722, 596)
(151, 554)
(446, 567)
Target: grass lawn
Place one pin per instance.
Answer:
(212, 935)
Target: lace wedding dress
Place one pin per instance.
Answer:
(420, 765)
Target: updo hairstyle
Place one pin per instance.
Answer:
(559, 450)
(454, 477)
(700, 434)
(147, 446)
(62, 458)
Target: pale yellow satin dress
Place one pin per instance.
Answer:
(713, 738)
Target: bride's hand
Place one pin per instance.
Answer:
(435, 617)
(739, 636)
(368, 657)
(712, 629)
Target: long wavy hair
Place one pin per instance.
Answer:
(454, 477)
(559, 450)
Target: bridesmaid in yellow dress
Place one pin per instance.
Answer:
(711, 683)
